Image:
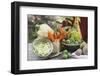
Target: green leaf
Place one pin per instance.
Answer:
(69, 18)
(60, 19)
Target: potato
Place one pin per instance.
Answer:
(78, 52)
(82, 44)
(85, 50)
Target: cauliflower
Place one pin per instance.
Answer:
(43, 30)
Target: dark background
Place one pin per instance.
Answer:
(84, 28)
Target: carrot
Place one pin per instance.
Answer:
(50, 36)
(57, 36)
(62, 33)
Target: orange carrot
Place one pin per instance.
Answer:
(57, 36)
(62, 33)
(50, 36)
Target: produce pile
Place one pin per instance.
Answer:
(61, 31)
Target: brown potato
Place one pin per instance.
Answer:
(82, 44)
(78, 52)
(85, 50)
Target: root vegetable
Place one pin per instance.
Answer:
(82, 44)
(85, 50)
(78, 52)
